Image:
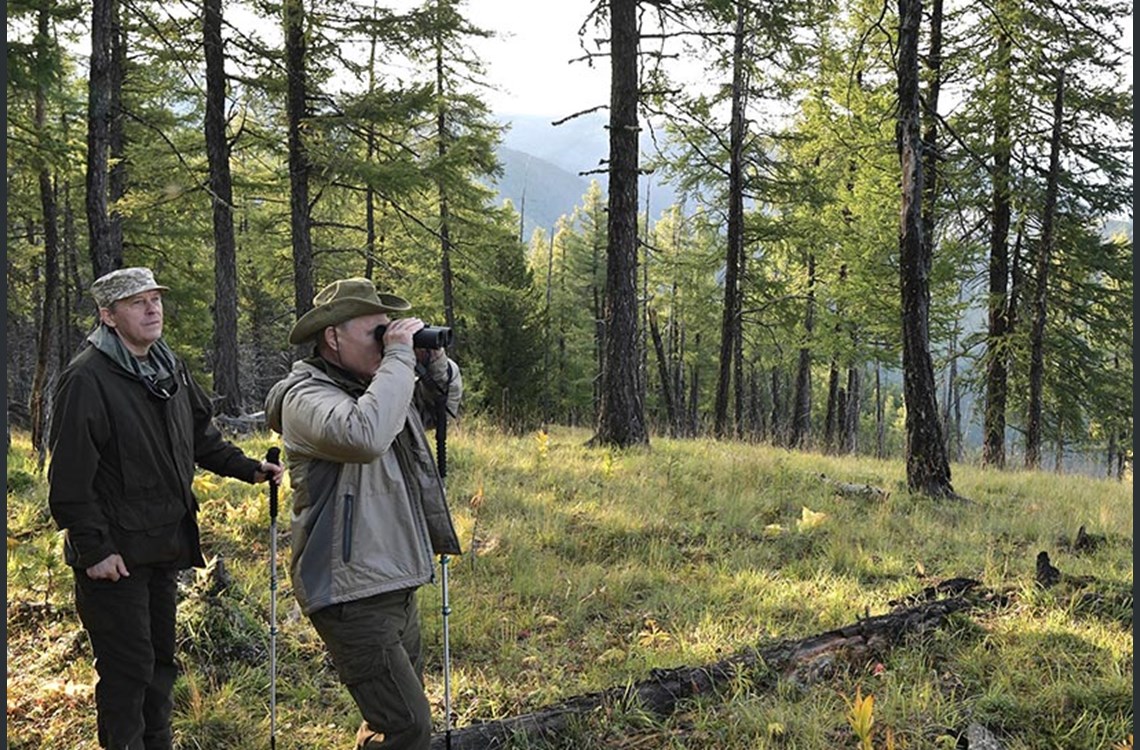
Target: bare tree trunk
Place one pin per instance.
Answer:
(296, 112)
(928, 470)
(621, 421)
(831, 418)
(801, 412)
(227, 383)
(117, 177)
(850, 435)
(444, 214)
(694, 392)
(40, 407)
(997, 354)
(880, 421)
(730, 320)
(663, 373)
(1033, 429)
(105, 257)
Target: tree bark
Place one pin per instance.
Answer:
(801, 412)
(831, 416)
(104, 256)
(1034, 427)
(621, 421)
(734, 254)
(40, 407)
(444, 216)
(663, 373)
(997, 354)
(117, 176)
(227, 383)
(849, 436)
(296, 111)
(927, 468)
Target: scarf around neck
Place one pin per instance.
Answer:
(156, 370)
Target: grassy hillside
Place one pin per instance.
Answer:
(589, 568)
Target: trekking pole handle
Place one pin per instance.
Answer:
(273, 456)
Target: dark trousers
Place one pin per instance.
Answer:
(131, 626)
(375, 645)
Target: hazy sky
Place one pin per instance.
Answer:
(529, 61)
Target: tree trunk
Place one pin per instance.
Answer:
(227, 383)
(880, 417)
(117, 176)
(801, 412)
(730, 320)
(777, 425)
(931, 151)
(663, 373)
(105, 257)
(1033, 429)
(444, 216)
(40, 407)
(849, 437)
(997, 352)
(621, 421)
(927, 468)
(296, 110)
(831, 418)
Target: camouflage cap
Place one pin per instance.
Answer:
(123, 283)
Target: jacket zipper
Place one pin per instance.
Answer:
(346, 542)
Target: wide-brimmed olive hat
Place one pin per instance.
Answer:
(344, 300)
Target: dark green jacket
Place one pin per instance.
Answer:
(122, 462)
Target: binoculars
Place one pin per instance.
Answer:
(428, 337)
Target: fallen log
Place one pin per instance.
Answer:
(857, 490)
(802, 661)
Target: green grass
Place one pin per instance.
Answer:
(594, 567)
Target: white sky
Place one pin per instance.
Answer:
(530, 60)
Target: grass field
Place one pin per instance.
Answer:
(589, 568)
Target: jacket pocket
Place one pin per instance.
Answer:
(146, 512)
(346, 541)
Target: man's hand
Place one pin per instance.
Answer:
(112, 568)
(275, 472)
(401, 331)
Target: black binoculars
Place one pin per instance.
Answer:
(428, 337)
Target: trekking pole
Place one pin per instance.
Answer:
(441, 461)
(273, 456)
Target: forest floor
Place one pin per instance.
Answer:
(591, 571)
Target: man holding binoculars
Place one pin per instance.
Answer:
(369, 510)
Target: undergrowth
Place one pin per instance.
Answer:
(588, 568)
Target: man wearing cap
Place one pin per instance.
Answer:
(128, 427)
(369, 510)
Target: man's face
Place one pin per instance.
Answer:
(137, 319)
(355, 345)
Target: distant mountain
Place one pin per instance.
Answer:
(540, 190)
(554, 165)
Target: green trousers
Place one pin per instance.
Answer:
(375, 645)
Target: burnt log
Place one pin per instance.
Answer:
(798, 660)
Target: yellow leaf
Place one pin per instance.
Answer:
(773, 529)
(809, 519)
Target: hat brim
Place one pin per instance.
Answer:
(337, 311)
